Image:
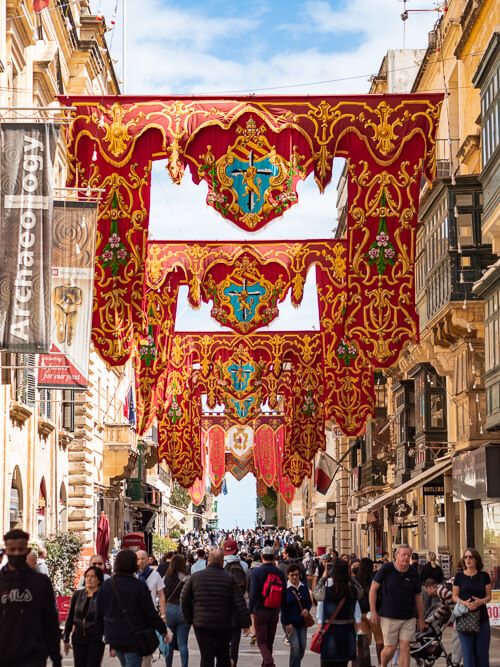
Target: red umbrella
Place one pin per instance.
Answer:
(102, 539)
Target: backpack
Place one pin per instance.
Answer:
(235, 570)
(272, 591)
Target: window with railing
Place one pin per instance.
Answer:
(45, 403)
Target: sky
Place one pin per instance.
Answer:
(224, 47)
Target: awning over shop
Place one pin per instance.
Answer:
(176, 517)
(412, 483)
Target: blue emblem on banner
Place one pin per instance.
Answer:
(251, 179)
(240, 375)
(243, 407)
(244, 299)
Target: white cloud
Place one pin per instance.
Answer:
(180, 51)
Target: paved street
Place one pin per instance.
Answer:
(250, 656)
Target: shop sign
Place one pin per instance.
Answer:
(494, 608)
(476, 474)
(445, 561)
(399, 509)
(435, 487)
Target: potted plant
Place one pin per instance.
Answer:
(63, 555)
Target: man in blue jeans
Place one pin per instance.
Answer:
(297, 604)
(265, 618)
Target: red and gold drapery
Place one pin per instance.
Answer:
(241, 373)
(252, 152)
(255, 278)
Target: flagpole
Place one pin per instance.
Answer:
(124, 48)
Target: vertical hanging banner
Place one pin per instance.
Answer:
(74, 226)
(26, 209)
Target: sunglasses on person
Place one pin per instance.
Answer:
(467, 556)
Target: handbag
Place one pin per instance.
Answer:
(318, 636)
(308, 619)
(319, 590)
(468, 623)
(146, 641)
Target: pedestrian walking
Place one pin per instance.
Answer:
(431, 570)
(266, 597)
(29, 626)
(175, 579)
(154, 582)
(125, 608)
(295, 614)
(472, 590)
(238, 569)
(367, 631)
(209, 601)
(82, 630)
(200, 562)
(401, 602)
(290, 555)
(341, 602)
(96, 560)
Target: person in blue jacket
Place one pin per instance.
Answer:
(296, 605)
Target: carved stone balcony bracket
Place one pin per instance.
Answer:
(19, 413)
(64, 438)
(127, 470)
(468, 147)
(45, 428)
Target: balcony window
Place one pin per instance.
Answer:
(464, 225)
(492, 332)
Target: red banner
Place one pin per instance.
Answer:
(251, 152)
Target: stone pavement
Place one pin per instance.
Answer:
(250, 656)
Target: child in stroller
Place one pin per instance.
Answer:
(428, 646)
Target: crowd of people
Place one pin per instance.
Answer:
(224, 585)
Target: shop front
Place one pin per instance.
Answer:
(415, 513)
(476, 484)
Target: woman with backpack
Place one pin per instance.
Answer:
(175, 579)
(339, 609)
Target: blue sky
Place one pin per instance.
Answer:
(294, 47)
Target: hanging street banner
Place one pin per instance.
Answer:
(71, 291)
(26, 209)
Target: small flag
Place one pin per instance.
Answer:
(129, 406)
(38, 5)
(324, 473)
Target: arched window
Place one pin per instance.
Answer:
(41, 509)
(16, 500)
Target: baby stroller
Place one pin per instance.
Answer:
(428, 647)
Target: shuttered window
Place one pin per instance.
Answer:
(68, 410)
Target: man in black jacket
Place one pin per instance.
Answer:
(209, 600)
(29, 625)
(265, 616)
